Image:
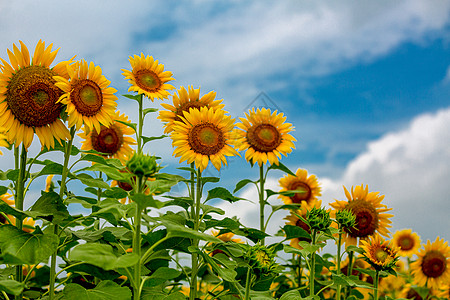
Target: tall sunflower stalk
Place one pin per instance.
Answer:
(197, 196)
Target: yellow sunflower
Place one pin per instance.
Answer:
(444, 291)
(371, 216)
(294, 220)
(3, 141)
(148, 77)
(432, 268)
(264, 136)
(29, 96)
(114, 140)
(307, 185)
(379, 253)
(49, 185)
(182, 102)
(407, 241)
(87, 96)
(203, 136)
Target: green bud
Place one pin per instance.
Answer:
(143, 165)
(346, 218)
(318, 219)
(261, 259)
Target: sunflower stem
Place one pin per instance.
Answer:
(261, 201)
(194, 271)
(137, 242)
(299, 270)
(377, 278)
(62, 190)
(19, 199)
(247, 285)
(141, 124)
(338, 271)
(313, 264)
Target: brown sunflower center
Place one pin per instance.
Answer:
(264, 137)
(434, 264)
(108, 141)
(125, 186)
(304, 226)
(31, 95)
(305, 193)
(206, 139)
(405, 242)
(412, 294)
(87, 97)
(147, 80)
(366, 218)
(185, 108)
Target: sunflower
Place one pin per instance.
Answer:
(432, 268)
(148, 77)
(407, 241)
(307, 185)
(203, 136)
(264, 135)
(370, 214)
(114, 141)
(294, 220)
(379, 253)
(3, 141)
(182, 102)
(444, 291)
(29, 96)
(87, 96)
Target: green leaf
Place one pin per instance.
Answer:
(149, 110)
(354, 249)
(132, 125)
(152, 138)
(11, 287)
(307, 249)
(9, 210)
(225, 273)
(156, 294)
(146, 201)
(295, 232)
(291, 295)
(161, 275)
(281, 167)
(211, 209)
(110, 171)
(133, 97)
(105, 290)
(92, 182)
(177, 230)
(3, 190)
(52, 168)
(210, 179)
(102, 255)
(241, 184)
(221, 193)
(20, 247)
(50, 205)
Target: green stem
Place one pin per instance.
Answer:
(299, 268)
(261, 201)
(198, 196)
(377, 277)
(338, 271)
(247, 285)
(62, 190)
(141, 124)
(313, 264)
(19, 199)
(137, 245)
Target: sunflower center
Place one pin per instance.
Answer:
(206, 139)
(124, 186)
(264, 137)
(366, 218)
(434, 264)
(148, 80)
(108, 141)
(31, 96)
(87, 97)
(185, 108)
(381, 255)
(303, 195)
(406, 242)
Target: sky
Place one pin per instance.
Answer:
(366, 85)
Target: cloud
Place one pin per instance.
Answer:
(410, 167)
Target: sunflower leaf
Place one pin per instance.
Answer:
(148, 139)
(133, 97)
(149, 110)
(221, 193)
(241, 184)
(92, 182)
(281, 167)
(105, 290)
(11, 287)
(51, 207)
(293, 231)
(132, 125)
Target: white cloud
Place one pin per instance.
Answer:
(410, 167)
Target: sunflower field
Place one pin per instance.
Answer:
(139, 240)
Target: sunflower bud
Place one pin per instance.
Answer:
(261, 259)
(143, 165)
(345, 218)
(318, 219)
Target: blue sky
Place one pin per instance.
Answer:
(366, 84)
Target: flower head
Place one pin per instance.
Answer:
(371, 216)
(294, 220)
(261, 259)
(183, 102)
(3, 141)
(203, 136)
(407, 241)
(114, 141)
(88, 98)
(318, 219)
(307, 186)
(432, 268)
(148, 77)
(379, 253)
(264, 135)
(29, 96)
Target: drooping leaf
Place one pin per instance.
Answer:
(241, 184)
(146, 139)
(11, 287)
(92, 182)
(295, 232)
(105, 290)
(291, 295)
(51, 207)
(20, 247)
(221, 193)
(281, 167)
(161, 275)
